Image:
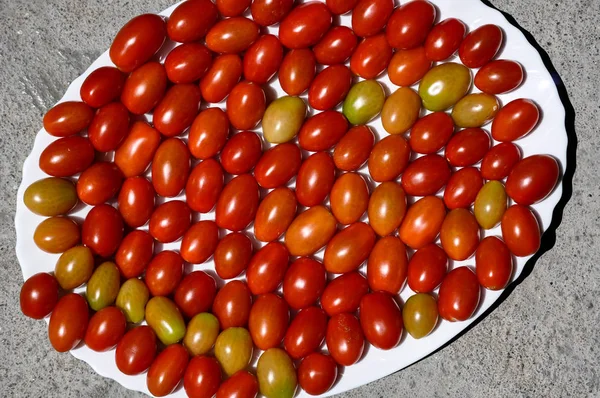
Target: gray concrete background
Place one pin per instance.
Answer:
(543, 341)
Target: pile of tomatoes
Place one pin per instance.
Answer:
(281, 193)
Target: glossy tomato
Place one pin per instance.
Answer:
(241, 153)
(499, 77)
(108, 127)
(345, 339)
(222, 76)
(408, 66)
(232, 255)
(246, 105)
(144, 88)
(232, 8)
(99, 183)
(39, 295)
(343, 294)
(68, 322)
(305, 25)
(177, 110)
(68, 118)
(105, 329)
(410, 24)
(370, 16)
(200, 242)
(532, 179)
(204, 186)
(387, 265)
(269, 12)
(336, 46)
(278, 165)
(167, 370)
(371, 57)
(515, 120)
(137, 41)
(480, 46)
(426, 175)
(444, 39)
(310, 231)
(170, 167)
(136, 201)
(303, 283)
(427, 268)
(191, 20)
(493, 263)
(389, 157)
(202, 377)
(57, 234)
(306, 332)
(232, 305)
(349, 198)
(232, 35)
(267, 268)
(275, 214)
(340, 6)
(387, 207)
(169, 221)
(462, 188)
(315, 179)
(67, 156)
(317, 373)
(164, 273)
(430, 133)
(195, 293)
(242, 384)
(349, 248)
(353, 149)
(188, 63)
(262, 60)
(297, 71)
(238, 203)
(459, 234)
(102, 230)
(101, 87)
(268, 322)
(422, 222)
(134, 253)
(137, 150)
(499, 161)
(459, 295)
(208, 133)
(329, 87)
(467, 147)
(381, 320)
(520, 231)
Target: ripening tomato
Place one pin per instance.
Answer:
(387, 207)
(462, 188)
(315, 179)
(202, 377)
(275, 214)
(305, 25)
(208, 133)
(306, 332)
(232, 305)
(221, 78)
(317, 373)
(339, 7)
(232, 8)
(268, 322)
(169, 221)
(137, 41)
(499, 77)
(246, 105)
(343, 294)
(68, 118)
(329, 87)
(67, 156)
(353, 149)
(278, 165)
(426, 175)
(102, 230)
(39, 295)
(459, 295)
(188, 63)
(401, 110)
(170, 167)
(427, 268)
(303, 283)
(177, 110)
(57, 234)
(389, 157)
(200, 242)
(371, 57)
(267, 267)
(238, 203)
(444, 39)
(370, 16)
(493, 263)
(167, 370)
(520, 231)
(430, 133)
(349, 248)
(336, 46)
(99, 183)
(349, 198)
(297, 71)
(105, 329)
(144, 88)
(420, 315)
(101, 87)
(136, 201)
(134, 253)
(408, 66)
(410, 24)
(499, 161)
(262, 60)
(459, 234)
(68, 322)
(232, 255)
(109, 127)
(195, 293)
(322, 131)
(467, 147)
(515, 120)
(241, 384)
(381, 320)
(137, 150)
(480, 46)
(269, 12)
(422, 222)
(232, 35)
(345, 339)
(532, 179)
(164, 273)
(387, 265)
(191, 20)
(310, 231)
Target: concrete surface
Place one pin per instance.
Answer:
(542, 341)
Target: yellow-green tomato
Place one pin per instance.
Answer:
(420, 315)
(475, 110)
(276, 374)
(401, 110)
(132, 299)
(363, 102)
(201, 333)
(444, 85)
(164, 318)
(283, 118)
(103, 287)
(490, 204)
(50, 196)
(233, 349)
(74, 267)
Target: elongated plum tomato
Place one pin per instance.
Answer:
(177, 110)
(39, 295)
(202, 377)
(136, 201)
(430, 133)
(163, 316)
(306, 332)
(169, 221)
(102, 230)
(278, 165)
(232, 8)
(353, 149)
(67, 156)
(499, 161)
(134, 253)
(493, 263)
(297, 71)
(234, 349)
(499, 77)
(345, 339)
(515, 120)
(167, 370)
(275, 214)
(387, 207)
(188, 63)
(387, 265)
(520, 231)
(401, 110)
(191, 20)
(339, 7)
(303, 283)
(267, 268)
(242, 384)
(444, 39)
(268, 322)
(371, 57)
(322, 131)
(246, 105)
(56, 234)
(232, 305)
(241, 153)
(422, 222)
(104, 285)
(363, 102)
(201, 334)
(459, 295)
(232, 35)
(105, 329)
(195, 293)
(420, 315)
(381, 320)
(136, 350)
(427, 268)
(462, 188)
(222, 76)
(170, 167)
(238, 203)
(410, 24)
(68, 322)
(204, 186)
(490, 204)
(164, 273)
(50, 196)
(343, 294)
(262, 60)
(532, 179)
(459, 234)
(349, 198)
(408, 66)
(283, 119)
(232, 255)
(317, 373)
(144, 88)
(137, 149)
(305, 25)
(467, 147)
(480, 46)
(276, 374)
(315, 179)
(109, 127)
(330, 87)
(102, 86)
(208, 133)
(74, 267)
(310, 231)
(200, 242)
(99, 183)
(389, 157)
(475, 110)
(426, 175)
(336, 46)
(269, 12)
(370, 16)
(68, 118)
(349, 248)
(137, 41)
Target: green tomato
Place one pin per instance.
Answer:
(475, 110)
(490, 204)
(103, 287)
(164, 318)
(233, 349)
(74, 267)
(420, 315)
(201, 333)
(50, 196)
(132, 299)
(444, 85)
(276, 374)
(363, 102)
(283, 119)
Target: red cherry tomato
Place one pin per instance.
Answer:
(275, 214)
(267, 268)
(499, 161)
(167, 370)
(105, 329)
(137, 41)
(246, 105)
(387, 265)
(278, 165)
(459, 234)
(343, 294)
(134, 253)
(462, 188)
(340, 6)
(532, 179)
(459, 295)
(188, 63)
(232, 35)
(381, 320)
(315, 179)
(269, 12)
(297, 71)
(102, 230)
(204, 186)
(336, 46)
(408, 66)
(202, 377)
(480, 46)
(422, 222)
(317, 373)
(353, 149)
(389, 157)
(499, 77)
(67, 156)
(241, 153)
(303, 283)
(191, 20)
(241, 384)
(322, 131)
(426, 175)
(232, 305)
(238, 203)
(170, 167)
(444, 39)
(39, 295)
(144, 88)
(520, 231)
(370, 16)
(164, 273)
(410, 24)
(371, 57)
(68, 118)
(493, 263)
(109, 126)
(136, 201)
(349, 248)
(345, 339)
(305, 25)
(99, 183)
(208, 133)
(329, 87)
(430, 133)
(170, 220)
(515, 120)
(102, 86)
(232, 255)
(268, 322)
(262, 60)
(427, 268)
(177, 110)
(221, 78)
(200, 242)
(195, 293)
(68, 322)
(232, 8)
(306, 332)
(137, 150)
(467, 147)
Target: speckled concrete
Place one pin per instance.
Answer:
(542, 341)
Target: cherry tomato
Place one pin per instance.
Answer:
(276, 374)
(444, 39)
(493, 263)
(467, 147)
(267, 268)
(74, 267)
(68, 118)
(170, 220)
(232, 305)
(191, 20)
(137, 150)
(188, 63)
(349, 248)
(204, 186)
(339, 7)
(137, 41)
(499, 161)
(387, 265)
(232, 35)
(499, 77)
(195, 293)
(232, 8)
(370, 16)
(475, 110)
(305, 25)
(532, 179)
(164, 273)
(170, 167)
(268, 322)
(238, 203)
(381, 320)
(322, 131)
(349, 198)
(144, 88)
(283, 119)
(515, 120)
(371, 57)
(242, 384)
(426, 175)
(274, 215)
(221, 78)
(246, 105)
(109, 127)
(303, 283)
(353, 149)
(134, 253)
(490, 204)
(343, 294)
(459, 234)
(102, 86)
(177, 110)
(202, 377)
(297, 71)
(232, 255)
(389, 157)
(336, 46)
(387, 207)
(102, 230)
(278, 165)
(241, 153)
(410, 24)
(57, 234)
(262, 60)
(345, 339)
(310, 231)
(427, 268)
(39, 295)
(459, 295)
(480, 46)
(306, 332)
(99, 183)
(408, 66)
(422, 222)
(208, 133)
(67, 156)
(317, 373)
(315, 179)
(462, 188)
(200, 242)
(420, 315)
(520, 231)
(105, 329)
(269, 12)
(68, 322)
(329, 87)
(167, 370)
(401, 110)
(136, 201)
(430, 133)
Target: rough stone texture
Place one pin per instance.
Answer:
(542, 341)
